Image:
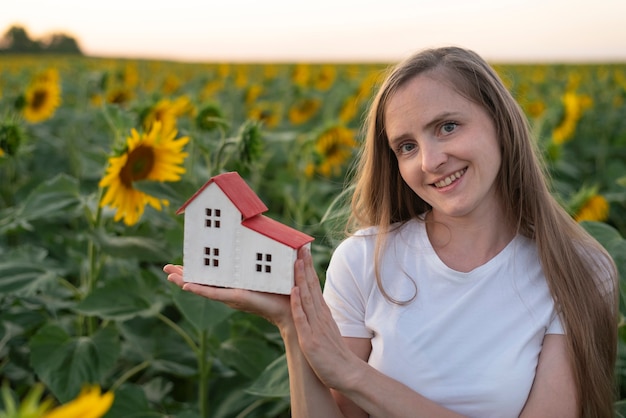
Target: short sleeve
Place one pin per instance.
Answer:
(555, 326)
(345, 292)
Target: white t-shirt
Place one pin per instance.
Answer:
(469, 341)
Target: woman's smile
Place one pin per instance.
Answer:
(450, 179)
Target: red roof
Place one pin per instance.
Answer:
(277, 231)
(237, 190)
(251, 208)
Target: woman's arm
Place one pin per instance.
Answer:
(309, 396)
(553, 393)
(361, 347)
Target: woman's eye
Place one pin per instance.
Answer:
(448, 127)
(406, 148)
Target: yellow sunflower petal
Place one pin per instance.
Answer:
(90, 403)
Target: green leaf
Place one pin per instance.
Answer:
(142, 248)
(610, 239)
(131, 401)
(26, 269)
(149, 339)
(604, 233)
(58, 197)
(120, 300)
(618, 252)
(274, 381)
(202, 313)
(67, 363)
(619, 408)
(249, 356)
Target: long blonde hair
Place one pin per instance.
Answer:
(580, 273)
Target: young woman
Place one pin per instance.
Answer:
(465, 290)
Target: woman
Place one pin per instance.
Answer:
(465, 290)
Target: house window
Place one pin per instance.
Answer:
(263, 262)
(211, 257)
(212, 219)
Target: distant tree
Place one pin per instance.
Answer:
(60, 43)
(17, 41)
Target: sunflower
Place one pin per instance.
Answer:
(211, 88)
(335, 145)
(252, 93)
(301, 74)
(349, 109)
(210, 117)
(130, 75)
(267, 112)
(325, 77)
(574, 105)
(171, 84)
(155, 155)
(596, 208)
(535, 108)
(304, 110)
(119, 96)
(11, 136)
(41, 99)
(167, 112)
(241, 76)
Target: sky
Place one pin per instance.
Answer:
(330, 30)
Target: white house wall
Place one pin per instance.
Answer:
(275, 275)
(198, 237)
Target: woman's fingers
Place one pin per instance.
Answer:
(301, 299)
(318, 334)
(308, 284)
(174, 274)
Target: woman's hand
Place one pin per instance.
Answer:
(273, 307)
(318, 334)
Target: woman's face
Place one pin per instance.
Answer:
(446, 145)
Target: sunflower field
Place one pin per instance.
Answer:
(96, 156)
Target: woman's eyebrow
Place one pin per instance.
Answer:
(437, 119)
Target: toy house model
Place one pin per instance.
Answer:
(229, 243)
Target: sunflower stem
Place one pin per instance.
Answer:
(219, 164)
(254, 405)
(204, 367)
(180, 332)
(111, 124)
(93, 257)
(129, 373)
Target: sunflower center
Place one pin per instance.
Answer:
(332, 149)
(39, 99)
(138, 166)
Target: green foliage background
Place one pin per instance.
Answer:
(83, 298)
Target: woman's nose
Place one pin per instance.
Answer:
(433, 157)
